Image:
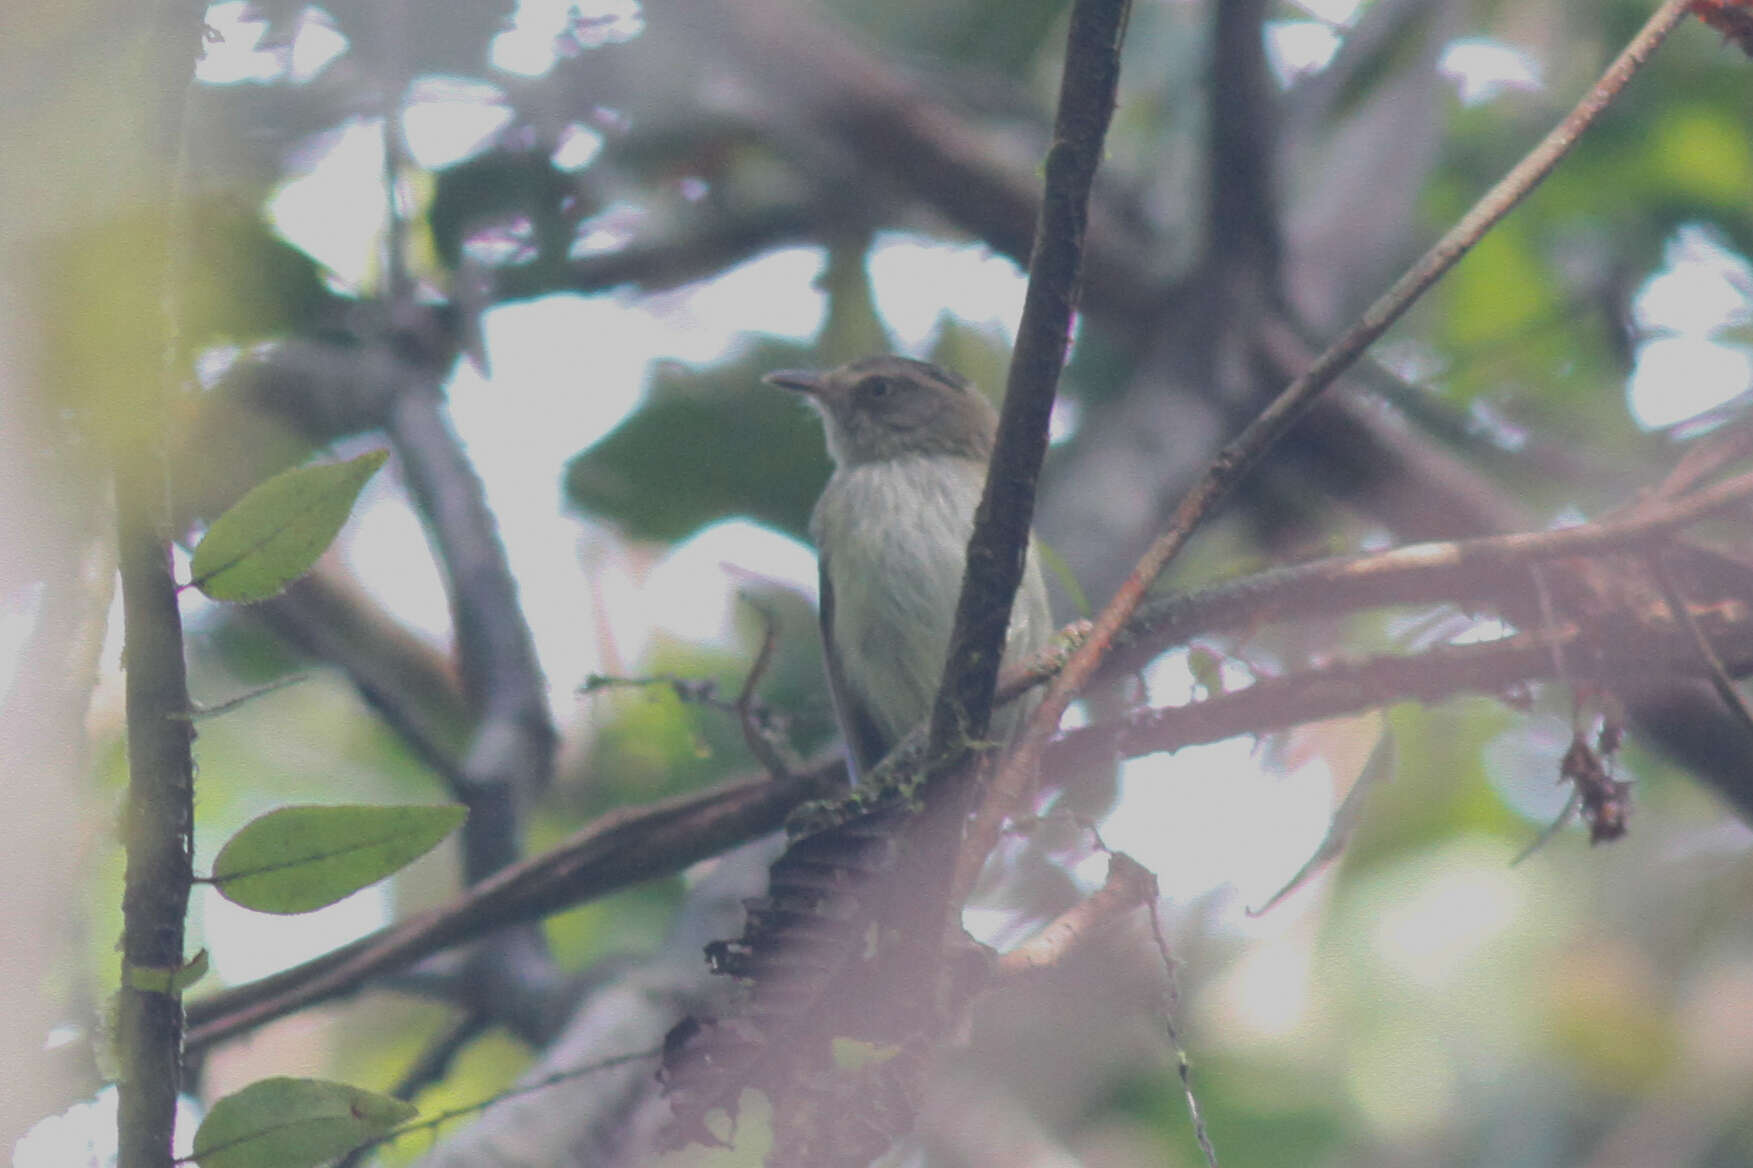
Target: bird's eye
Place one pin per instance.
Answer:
(875, 389)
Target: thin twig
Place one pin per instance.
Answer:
(198, 712)
(1172, 1007)
(1571, 806)
(1549, 623)
(769, 750)
(454, 1113)
(432, 1065)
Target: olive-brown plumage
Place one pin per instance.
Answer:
(910, 443)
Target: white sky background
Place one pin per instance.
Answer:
(566, 369)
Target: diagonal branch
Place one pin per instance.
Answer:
(616, 850)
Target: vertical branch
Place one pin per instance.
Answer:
(159, 818)
(1242, 229)
(997, 551)
(512, 748)
(392, 34)
(158, 824)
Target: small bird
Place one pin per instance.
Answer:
(910, 444)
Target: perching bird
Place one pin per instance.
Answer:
(910, 444)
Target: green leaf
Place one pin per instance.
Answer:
(272, 535)
(297, 859)
(290, 1123)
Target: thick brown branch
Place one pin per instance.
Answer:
(1490, 571)
(1612, 655)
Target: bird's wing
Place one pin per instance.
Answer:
(865, 742)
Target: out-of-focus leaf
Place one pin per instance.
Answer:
(705, 448)
(244, 282)
(102, 293)
(1500, 289)
(1703, 152)
(289, 1123)
(505, 189)
(275, 533)
(979, 354)
(297, 859)
(1378, 769)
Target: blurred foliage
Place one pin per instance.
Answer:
(708, 445)
(523, 191)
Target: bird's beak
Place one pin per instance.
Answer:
(798, 380)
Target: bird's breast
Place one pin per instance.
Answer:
(895, 537)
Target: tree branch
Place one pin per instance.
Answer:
(1490, 570)
(1610, 654)
(923, 146)
(512, 750)
(619, 849)
(1241, 207)
(159, 821)
(998, 548)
